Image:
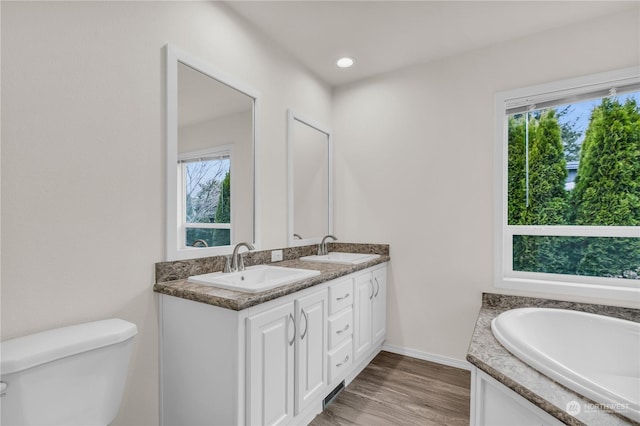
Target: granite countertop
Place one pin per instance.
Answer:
(486, 353)
(238, 300)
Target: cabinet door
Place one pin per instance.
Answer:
(497, 405)
(379, 306)
(364, 291)
(270, 365)
(311, 348)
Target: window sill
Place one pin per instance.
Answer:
(611, 291)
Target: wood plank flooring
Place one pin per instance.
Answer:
(400, 390)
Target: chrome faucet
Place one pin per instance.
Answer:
(237, 264)
(322, 248)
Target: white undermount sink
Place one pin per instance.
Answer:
(254, 279)
(343, 258)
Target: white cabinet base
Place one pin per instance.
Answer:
(494, 404)
(267, 364)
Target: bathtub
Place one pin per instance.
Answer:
(594, 355)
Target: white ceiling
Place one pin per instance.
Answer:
(387, 35)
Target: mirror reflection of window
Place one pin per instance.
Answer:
(214, 120)
(212, 136)
(206, 198)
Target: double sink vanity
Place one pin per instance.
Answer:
(270, 343)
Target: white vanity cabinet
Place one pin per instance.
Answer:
(493, 404)
(286, 359)
(370, 309)
(340, 356)
(270, 364)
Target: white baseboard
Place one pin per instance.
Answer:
(426, 356)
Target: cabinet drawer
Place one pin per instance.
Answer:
(340, 328)
(340, 360)
(340, 295)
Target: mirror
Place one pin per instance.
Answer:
(211, 145)
(310, 180)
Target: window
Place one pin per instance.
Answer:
(204, 180)
(569, 187)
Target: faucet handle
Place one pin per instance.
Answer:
(240, 262)
(227, 265)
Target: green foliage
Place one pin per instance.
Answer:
(517, 171)
(548, 203)
(609, 257)
(547, 173)
(222, 237)
(607, 191)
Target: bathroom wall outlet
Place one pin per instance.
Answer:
(276, 255)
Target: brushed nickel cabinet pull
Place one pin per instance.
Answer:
(346, 327)
(293, 320)
(343, 297)
(306, 324)
(346, 359)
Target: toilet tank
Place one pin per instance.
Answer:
(67, 376)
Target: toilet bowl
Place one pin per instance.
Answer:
(67, 376)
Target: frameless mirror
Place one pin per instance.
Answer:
(211, 144)
(310, 180)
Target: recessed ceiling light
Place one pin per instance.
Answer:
(345, 62)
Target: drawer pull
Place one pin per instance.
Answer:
(293, 321)
(346, 327)
(346, 359)
(343, 297)
(306, 323)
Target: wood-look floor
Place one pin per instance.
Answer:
(400, 390)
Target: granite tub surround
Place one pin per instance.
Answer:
(486, 353)
(171, 277)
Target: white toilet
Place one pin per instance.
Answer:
(67, 376)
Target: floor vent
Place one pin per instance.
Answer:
(334, 393)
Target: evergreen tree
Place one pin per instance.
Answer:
(607, 190)
(547, 173)
(524, 247)
(607, 187)
(547, 197)
(222, 237)
(516, 170)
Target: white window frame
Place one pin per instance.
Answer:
(572, 285)
(219, 151)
